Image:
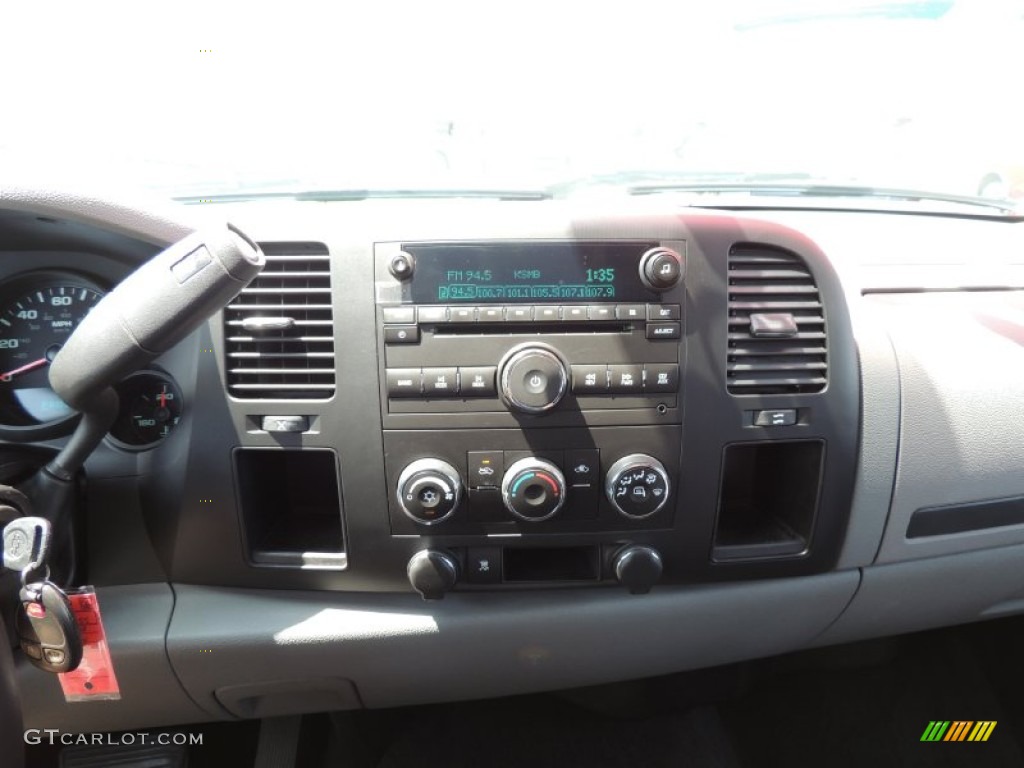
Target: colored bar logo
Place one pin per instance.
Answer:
(958, 730)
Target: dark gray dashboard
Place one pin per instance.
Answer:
(777, 537)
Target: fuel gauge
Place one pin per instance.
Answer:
(151, 406)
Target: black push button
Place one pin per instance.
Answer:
(663, 331)
(404, 382)
(661, 377)
(443, 382)
(591, 379)
(625, 379)
(462, 315)
(575, 314)
(401, 334)
(432, 314)
(582, 466)
(490, 314)
(479, 381)
(483, 565)
(399, 314)
(519, 314)
(663, 312)
(485, 468)
(630, 312)
(601, 312)
(779, 417)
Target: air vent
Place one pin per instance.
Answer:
(280, 330)
(776, 324)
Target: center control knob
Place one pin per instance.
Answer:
(533, 489)
(429, 490)
(533, 378)
(637, 485)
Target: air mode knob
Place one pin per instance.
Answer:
(661, 269)
(533, 378)
(533, 489)
(637, 485)
(429, 490)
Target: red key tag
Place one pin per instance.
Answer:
(94, 680)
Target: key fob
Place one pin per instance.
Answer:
(47, 628)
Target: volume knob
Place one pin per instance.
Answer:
(533, 378)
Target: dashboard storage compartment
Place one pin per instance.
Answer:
(539, 564)
(291, 506)
(768, 499)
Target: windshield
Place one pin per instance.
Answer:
(188, 100)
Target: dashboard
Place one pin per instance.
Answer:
(602, 443)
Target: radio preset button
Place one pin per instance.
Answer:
(547, 314)
(661, 377)
(601, 311)
(519, 314)
(630, 312)
(591, 379)
(663, 330)
(663, 312)
(490, 314)
(432, 314)
(478, 381)
(401, 334)
(399, 314)
(404, 382)
(575, 314)
(625, 379)
(462, 315)
(440, 381)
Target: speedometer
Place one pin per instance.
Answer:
(37, 315)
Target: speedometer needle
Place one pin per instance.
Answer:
(24, 369)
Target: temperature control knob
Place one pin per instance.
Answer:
(533, 489)
(661, 269)
(429, 490)
(637, 485)
(533, 378)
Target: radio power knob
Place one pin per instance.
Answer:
(661, 269)
(429, 490)
(533, 378)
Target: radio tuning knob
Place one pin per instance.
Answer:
(533, 378)
(661, 269)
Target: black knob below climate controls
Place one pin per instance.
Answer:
(429, 490)
(637, 485)
(432, 573)
(533, 489)
(661, 269)
(637, 568)
(532, 378)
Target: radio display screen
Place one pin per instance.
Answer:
(510, 273)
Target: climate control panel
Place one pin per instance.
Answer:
(490, 482)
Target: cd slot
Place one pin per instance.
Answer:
(505, 329)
